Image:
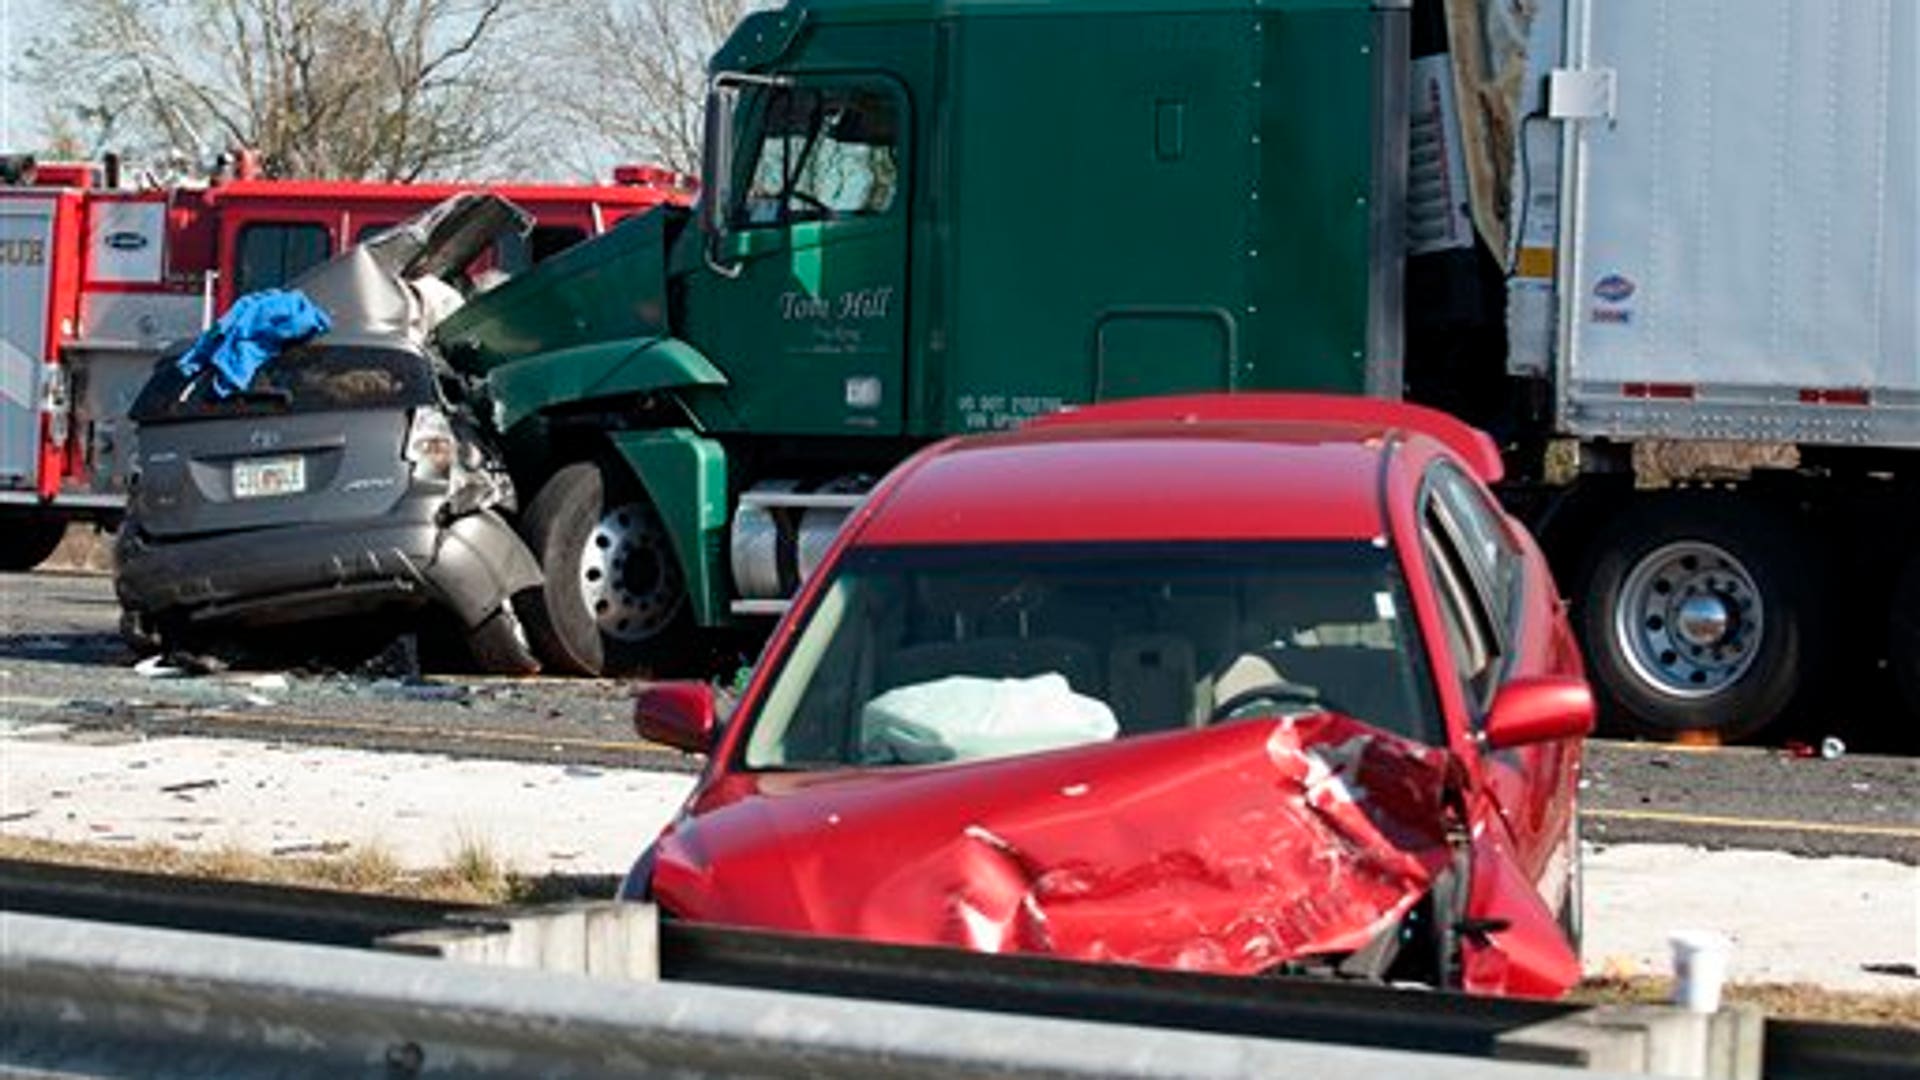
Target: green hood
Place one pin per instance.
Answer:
(610, 288)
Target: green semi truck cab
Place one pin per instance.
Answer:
(931, 218)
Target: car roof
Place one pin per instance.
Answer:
(1143, 480)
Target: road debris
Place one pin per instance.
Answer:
(421, 690)
(313, 847)
(189, 785)
(156, 667)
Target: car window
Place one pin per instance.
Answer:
(303, 379)
(271, 254)
(826, 153)
(1471, 638)
(1489, 551)
(925, 655)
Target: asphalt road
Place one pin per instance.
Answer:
(62, 662)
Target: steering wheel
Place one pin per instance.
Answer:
(1278, 693)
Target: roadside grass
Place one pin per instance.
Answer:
(475, 875)
(476, 867)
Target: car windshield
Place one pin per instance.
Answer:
(923, 655)
(303, 379)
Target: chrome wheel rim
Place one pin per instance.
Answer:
(629, 577)
(1690, 619)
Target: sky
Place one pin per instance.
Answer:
(20, 20)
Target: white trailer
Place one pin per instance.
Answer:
(1715, 227)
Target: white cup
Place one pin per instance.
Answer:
(1699, 968)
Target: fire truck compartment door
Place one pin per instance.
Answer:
(26, 274)
(129, 242)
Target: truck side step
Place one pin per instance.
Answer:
(761, 607)
(802, 500)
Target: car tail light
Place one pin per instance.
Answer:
(431, 445)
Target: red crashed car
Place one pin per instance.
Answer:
(1261, 683)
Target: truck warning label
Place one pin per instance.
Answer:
(998, 412)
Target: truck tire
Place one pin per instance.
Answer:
(26, 542)
(1903, 636)
(1698, 614)
(615, 601)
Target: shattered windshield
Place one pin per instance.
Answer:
(923, 655)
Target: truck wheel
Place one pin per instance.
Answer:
(26, 543)
(500, 644)
(1698, 614)
(1903, 635)
(614, 600)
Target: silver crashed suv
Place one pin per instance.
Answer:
(346, 478)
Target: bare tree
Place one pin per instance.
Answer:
(385, 89)
(635, 75)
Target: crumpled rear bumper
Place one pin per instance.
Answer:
(470, 566)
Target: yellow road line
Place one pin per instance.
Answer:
(1678, 748)
(1669, 818)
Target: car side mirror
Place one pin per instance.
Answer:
(678, 714)
(1537, 710)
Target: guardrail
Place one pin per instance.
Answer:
(91, 999)
(691, 957)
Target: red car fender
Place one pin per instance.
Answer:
(1519, 948)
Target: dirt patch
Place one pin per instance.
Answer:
(86, 550)
(1796, 1001)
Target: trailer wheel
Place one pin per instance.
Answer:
(26, 542)
(1903, 635)
(1698, 614)
(614, 601)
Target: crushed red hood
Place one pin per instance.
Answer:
(1227, 849)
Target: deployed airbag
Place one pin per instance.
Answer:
(966, 718)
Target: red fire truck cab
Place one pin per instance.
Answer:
(96, 278)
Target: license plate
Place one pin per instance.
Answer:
(260, 478)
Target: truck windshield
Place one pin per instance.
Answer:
(824, 154)
(304, 379)
(919, 655)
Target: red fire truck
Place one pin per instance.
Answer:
(96, 277)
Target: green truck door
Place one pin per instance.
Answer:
(811, 327)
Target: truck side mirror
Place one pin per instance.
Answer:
(1537, 710)
(677, 714)
(723, 100)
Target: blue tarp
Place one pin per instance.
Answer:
(251, 333)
